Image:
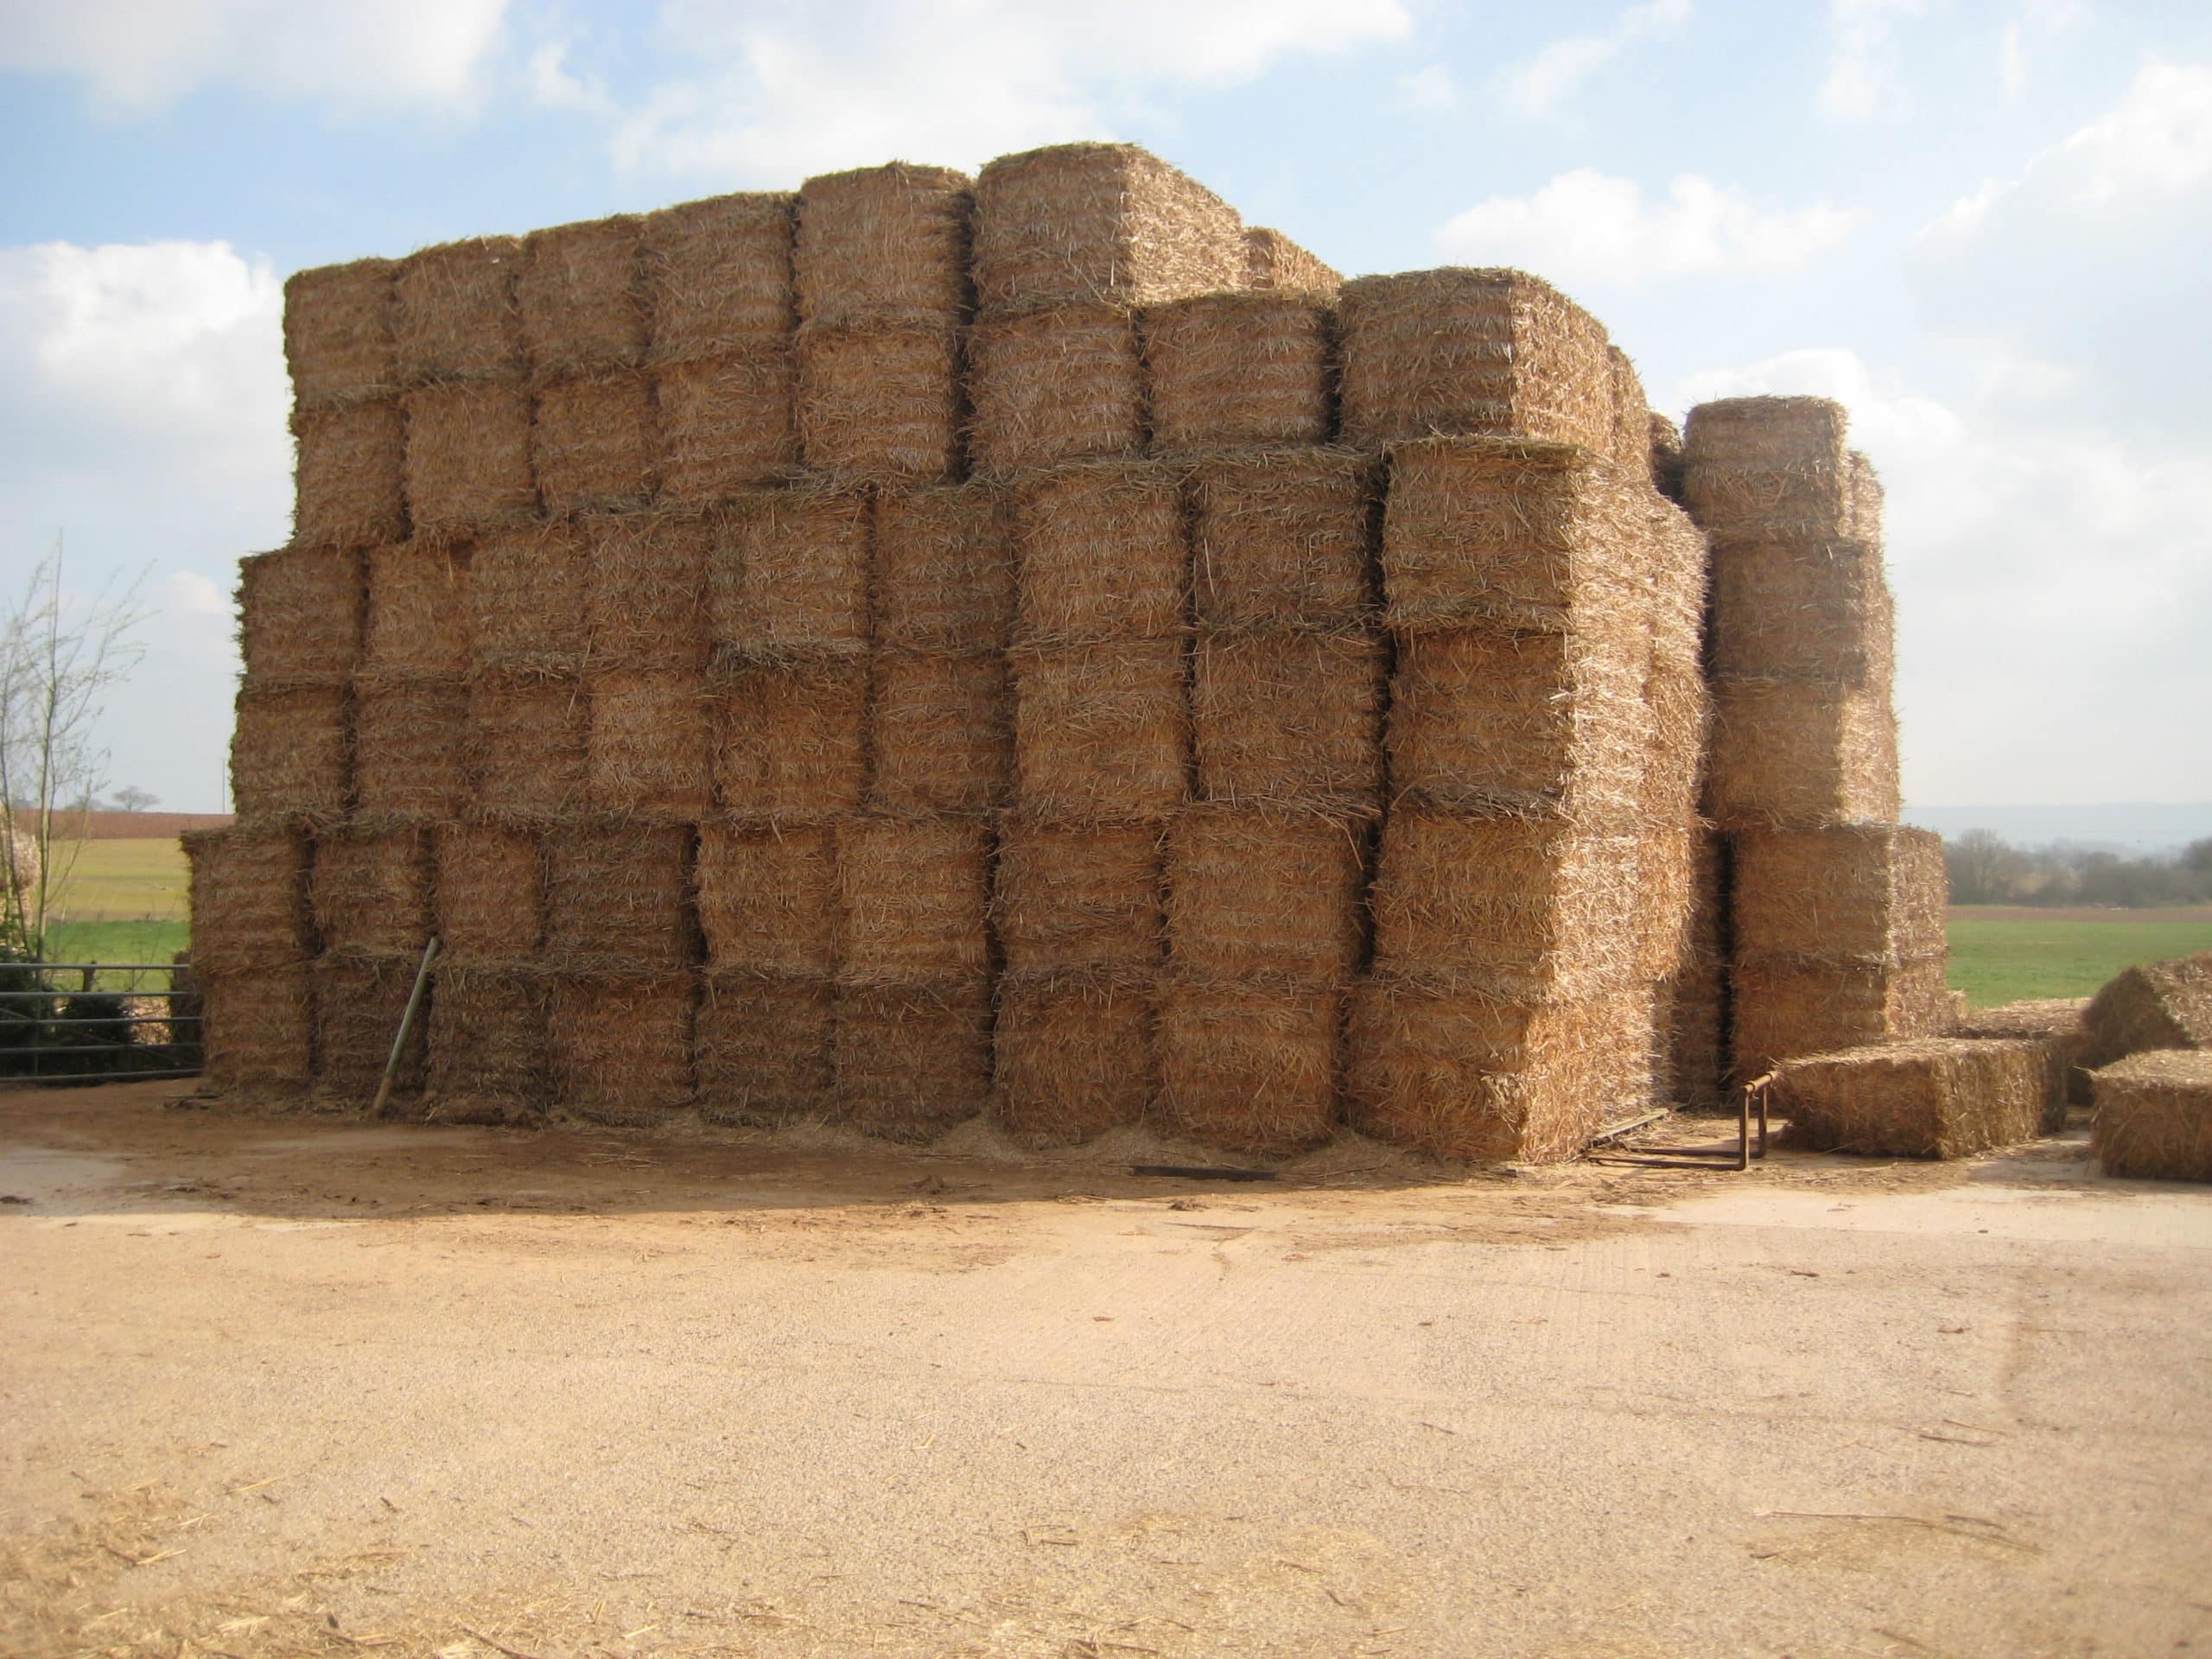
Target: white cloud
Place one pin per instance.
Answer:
(1864, 79)
(1587, 228)
(138, 56)
(2037, 24)
(1537, 84)
(554, 85)
(1432, 88)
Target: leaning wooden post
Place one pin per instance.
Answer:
(406, 1025)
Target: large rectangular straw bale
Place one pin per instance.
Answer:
(371, 888)
(618, 896)
(620, 1044)
(1084, 896)
(1274, 895)
(592, 441)
(338, 339)
(1435, 1069)
(249, 898)
(416, 621)
(349, 475)
(410, 747)
(1792, 609)
(292, 751)
(529, 599)
(1940, 1097)
(1666, 882)
(912, 1060)
(1275, 264)
(1284, 538)
(456, 316)
(1871, 892)
(1866, 499)
(1679, 710)
(581, 296)
(468, 455)
(2054, 1022)
(912, 899)
(1102, 731)
(649, 583)
(300, 612)
(788, 570)
(769, 897)
(1085, 224)
(725, 424)
(1769, 467)
(884, 242)
(1053, 386)
(1101, 553)
(257, 1026)
(761, 1047)
(1249, 1068)
(1075, 1053)
(2153, 1005)
(2154, 1116)
(877, 401)
(488, 1038)
(524, 747)
(1465, 353)
(945, 567)
(1233, 370)
(1630, 444)
(490, 890)
(651, 744)
(792, 740)
(718, 275)
(359, 996)
(1802, 754)
(1784, 1010)
(941, 731)
(1694, 1004)
(1530, 909)
(1680, 562)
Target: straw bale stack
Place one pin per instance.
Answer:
(791, 738)
(488, 1037)
(338, 334)
(292, 752)
(410, 745)
(257, 1027)
(1284, 538)
(2057, 1024)
(1666, 457)
(417, 619)
(1288, 717)
(468, 456)
(910, 1060)
(1769, 468)
(647, 579)
(912, 895)
(1630, 445)
(1940, 1097)
(767, 897)
(300, 613)
(592, 441)
(1102, 731)
(1694, 994)
(2156, 1005)
(650, 747)
(1236, 370)
(371, 887)
(2154, 1116)
(618, 897)
(249, 898)
(455, 315)
(1873, 893)
(1075, 1053)
(787, 571)
(1780, 1009)
(621, 1043)
(1275, 264)
(1248, 1066)
(944, 569)
(352, 483)
(581, 300)
(523, 746)
(1789, 752)
(1803, 610)
(761, 1046)
(1100, 554)
(940, 732)
(359, 997)
(1256, 895)
(529, 600)
(1080, 897)
(1054, 386)
(490, 894)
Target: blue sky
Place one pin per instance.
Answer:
(1984, 226)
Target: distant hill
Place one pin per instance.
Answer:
(141, 826)
(2129, 827)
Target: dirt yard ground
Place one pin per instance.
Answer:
(293, 1385)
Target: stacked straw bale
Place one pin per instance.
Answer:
(2154, 1116)
(1275, 264)
(1929, 1097)
(2157, 1005)
(2055, 1022)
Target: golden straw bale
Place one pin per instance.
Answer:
(1665, 457)
(648, 589)
(410, 744)
(1052, 386)
(1277, 895)
(1075, 1053)
(620, 1044)
(468, 460)
(1248, 1068)
(1630, 445)
(1870, 891)
(912, 897)
(651, 744)
(1464, 353)
(488, 1036)
(725, 424)
(1527, 909)
(1237, 371)
(524, 748)
(1679, 710)
(529, 591)
(1694, 1005)
(618, 896)
(788, 570)
(350, 488)
(1284, 538)
(792, 740)
(1101, 552)
(2154, 1005)
(880, 401)
(1793, 609)
(761, 1049)
(1680, 562)
(2154, 1116)
(592, 442)
(882, 242)
(1549, 725)
(1666, 880)
(292, 752)
(338, 339)
(257, 1026)
(910, 1061)
(940, 732)
(1784, 1010)
(1712, 882)
(1434, 1068)
(1867, 498)
(944, 569)
(249, 898)
(1801, 754)
(455, 315)
(1769, 467)
(1940, 1097)
(490, 890)
(1085, 897)
(360, 997)
(1275, 264)
(371, 887)
(769, 897)
(300, 612)
(416, 621)
(1085, 224)
(2055, 1022)
(1103, 731)
(580, 294)
(718, 275)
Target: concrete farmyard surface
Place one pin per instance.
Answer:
(292, 1385)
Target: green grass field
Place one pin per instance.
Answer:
(2000, 954)
(122, 881)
